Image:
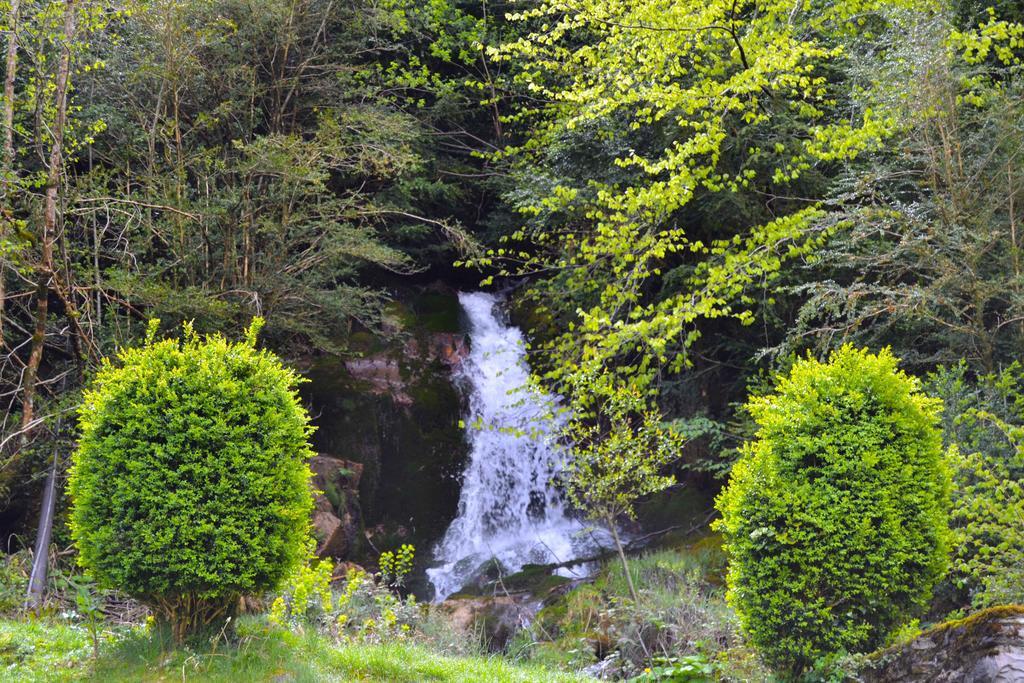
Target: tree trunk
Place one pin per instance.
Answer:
(622, 556)
(45, 267)
(610, 519)
(10, 73)
(187, 614)
(7, 170)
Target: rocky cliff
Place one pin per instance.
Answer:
(391, 409)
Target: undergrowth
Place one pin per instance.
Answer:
(680, 626)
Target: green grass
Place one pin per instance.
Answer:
(45, 651)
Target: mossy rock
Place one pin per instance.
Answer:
(574, 615)
(412, 450)
(437, 312)
(986, 646)
(537, 579)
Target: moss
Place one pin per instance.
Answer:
(574, 615)
(335, 495)
(437, 312)
(536, 579)
(969, 627)
(398, 315)
(365, 343)
(973, 621)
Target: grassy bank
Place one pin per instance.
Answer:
(38, 651)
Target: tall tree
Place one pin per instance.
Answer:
(716, 127)
(45, 270)
(7, 167)
(928, 257)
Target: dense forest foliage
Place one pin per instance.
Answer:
(684, 199)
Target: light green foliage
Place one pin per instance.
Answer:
(835, 516)
(985, 423)
(306, 594)
(367, 608)
(996, 38)
(190, 485)
(619, 453)
(696, 101)
(395, 565)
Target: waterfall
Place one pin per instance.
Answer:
(509, 510)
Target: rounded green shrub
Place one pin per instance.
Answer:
(835, 515)
(190, 484)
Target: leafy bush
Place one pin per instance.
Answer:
(190, 485)
(984, 419)
(835, 516)
(988, 531)
(396, 565)
(366, 608)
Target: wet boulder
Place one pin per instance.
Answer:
(496, 619)
(484, 580)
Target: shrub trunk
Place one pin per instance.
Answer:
(188, 614)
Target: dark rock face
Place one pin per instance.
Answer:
(392, 408)
(336, 523)
(987, 647)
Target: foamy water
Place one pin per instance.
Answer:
(509, 509)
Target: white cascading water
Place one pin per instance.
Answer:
(509, 510)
